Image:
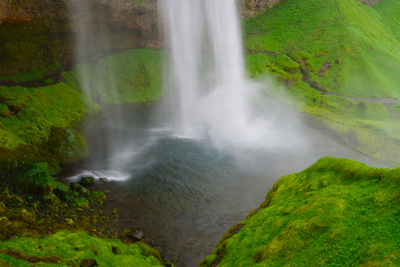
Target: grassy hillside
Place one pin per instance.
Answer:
(362, 53)
(389, 11)
(335, 213)
(42, 123)
(337, 59)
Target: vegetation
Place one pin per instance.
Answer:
(132, 76)
(75, 248)
(338, 61)
(43, 123)
(336, 58)
(28, 51)
(34, 208)
(335, 213)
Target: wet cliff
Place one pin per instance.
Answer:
(37, 37)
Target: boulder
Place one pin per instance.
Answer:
(87, 181)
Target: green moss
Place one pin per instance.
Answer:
(132, 76)
(362, 53)
(42, 124)
(4, 111)
(82, 203)
(335, 213)
(28, 52)
(71, 247)
(30, 178)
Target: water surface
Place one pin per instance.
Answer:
(184, 193)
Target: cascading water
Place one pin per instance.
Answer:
(207, 93)
(97, 82)
(205, 56)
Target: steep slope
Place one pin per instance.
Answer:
(390, 10)
(335, 213)
(342, 46)
(339, 61)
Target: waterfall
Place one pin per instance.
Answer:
(206, 92)
(92, 42)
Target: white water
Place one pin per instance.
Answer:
(206, 91)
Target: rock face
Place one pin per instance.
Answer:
(139, 17)
(38, 33)
(125, 17)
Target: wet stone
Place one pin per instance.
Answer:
(104, 180)
(135, 235)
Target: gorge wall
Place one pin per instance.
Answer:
(36, 34)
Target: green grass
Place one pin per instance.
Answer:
(360, 49)
(363, 53)
(337, 212)
(390, 10)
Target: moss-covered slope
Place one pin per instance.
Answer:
(337, 212)
(390, 10)
(339, 62)
(340, 46)
(43, 123)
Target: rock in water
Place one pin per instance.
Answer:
(104, 179)
(134, 234)
(87, 181)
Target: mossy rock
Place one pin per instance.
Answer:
(79, 188)
(32, 178)
(82, 203)
(87, 181)
(337, 212)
